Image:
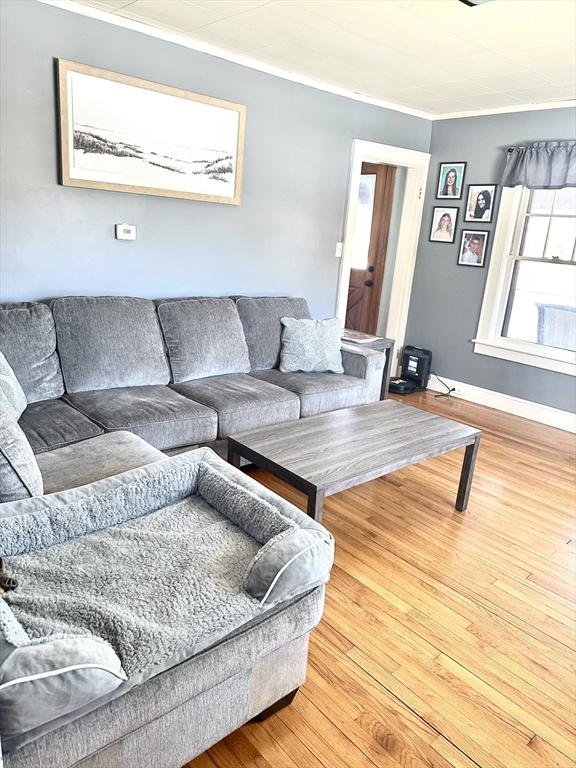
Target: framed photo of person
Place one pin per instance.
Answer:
(443, 229)
(480, 202)
(473, 247)
(450, 181)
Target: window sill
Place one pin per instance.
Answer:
(528, 354)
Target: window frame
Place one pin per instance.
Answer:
(489, 340)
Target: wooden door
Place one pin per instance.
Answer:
(370, 242)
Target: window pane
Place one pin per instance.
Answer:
(535, 237)
(543, 307)
(565, 201)
(363, 226)
(541, 200)
(561, 237)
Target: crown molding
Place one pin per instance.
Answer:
(246, 61)
(506, 110)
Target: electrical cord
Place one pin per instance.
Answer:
(449, 389)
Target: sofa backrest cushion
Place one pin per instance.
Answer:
(109, 341)
(263, 329)
(20, 476)
(204, 337)
(28, 341)
(12, 396)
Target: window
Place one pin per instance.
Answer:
(529, 309)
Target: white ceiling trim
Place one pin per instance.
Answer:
(505, 110)
(246, 61)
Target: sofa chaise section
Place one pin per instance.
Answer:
(116, 371)
(187, 683)
(210, 364)
(90, 460)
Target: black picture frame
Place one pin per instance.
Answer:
(491, 189)
(446, 209)
(443, 170)
(472, 233)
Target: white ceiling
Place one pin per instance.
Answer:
(436, 56)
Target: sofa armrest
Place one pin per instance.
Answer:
(365, 364)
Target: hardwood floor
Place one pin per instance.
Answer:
(448, 638)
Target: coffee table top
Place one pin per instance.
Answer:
(339, 449)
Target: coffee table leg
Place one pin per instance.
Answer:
(466, 475)
(233, 457)
(315, 504)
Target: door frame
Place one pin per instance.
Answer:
(417, 164)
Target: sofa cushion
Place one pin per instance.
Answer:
(311, 345)
(263, 329)
(242, 402)
(28, 340)
(12, 395)
(319, 392)
(51, 424)
(94, 459)
(20, 476)
(160, 416)
(109, 341)
(204, 337)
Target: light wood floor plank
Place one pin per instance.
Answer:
(448, 638)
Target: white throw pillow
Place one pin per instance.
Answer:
(12, 396)
(311, 345)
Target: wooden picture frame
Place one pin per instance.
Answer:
(124, 134)
(442, 187)
(473, 212)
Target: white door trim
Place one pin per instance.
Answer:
(416, 164)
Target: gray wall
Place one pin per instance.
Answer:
(446, 298)
(281, 239)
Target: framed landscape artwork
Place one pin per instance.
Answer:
(128, 135)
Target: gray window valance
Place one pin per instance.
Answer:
(541, 165)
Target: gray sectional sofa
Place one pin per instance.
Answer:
(177, 373)
(112, 385)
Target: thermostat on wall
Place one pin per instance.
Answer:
(125, 232)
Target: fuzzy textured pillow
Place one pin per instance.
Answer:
(12, 395)
(311, 345)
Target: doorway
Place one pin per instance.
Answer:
(409, 199)
(370, 244)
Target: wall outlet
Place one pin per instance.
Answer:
(125, 231)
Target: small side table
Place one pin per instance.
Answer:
(373, 342)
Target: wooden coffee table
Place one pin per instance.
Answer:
(321, 455)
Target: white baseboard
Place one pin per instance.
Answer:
(553, 417)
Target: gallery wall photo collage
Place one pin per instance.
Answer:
(478, 209)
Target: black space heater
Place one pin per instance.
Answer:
(414, 371)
